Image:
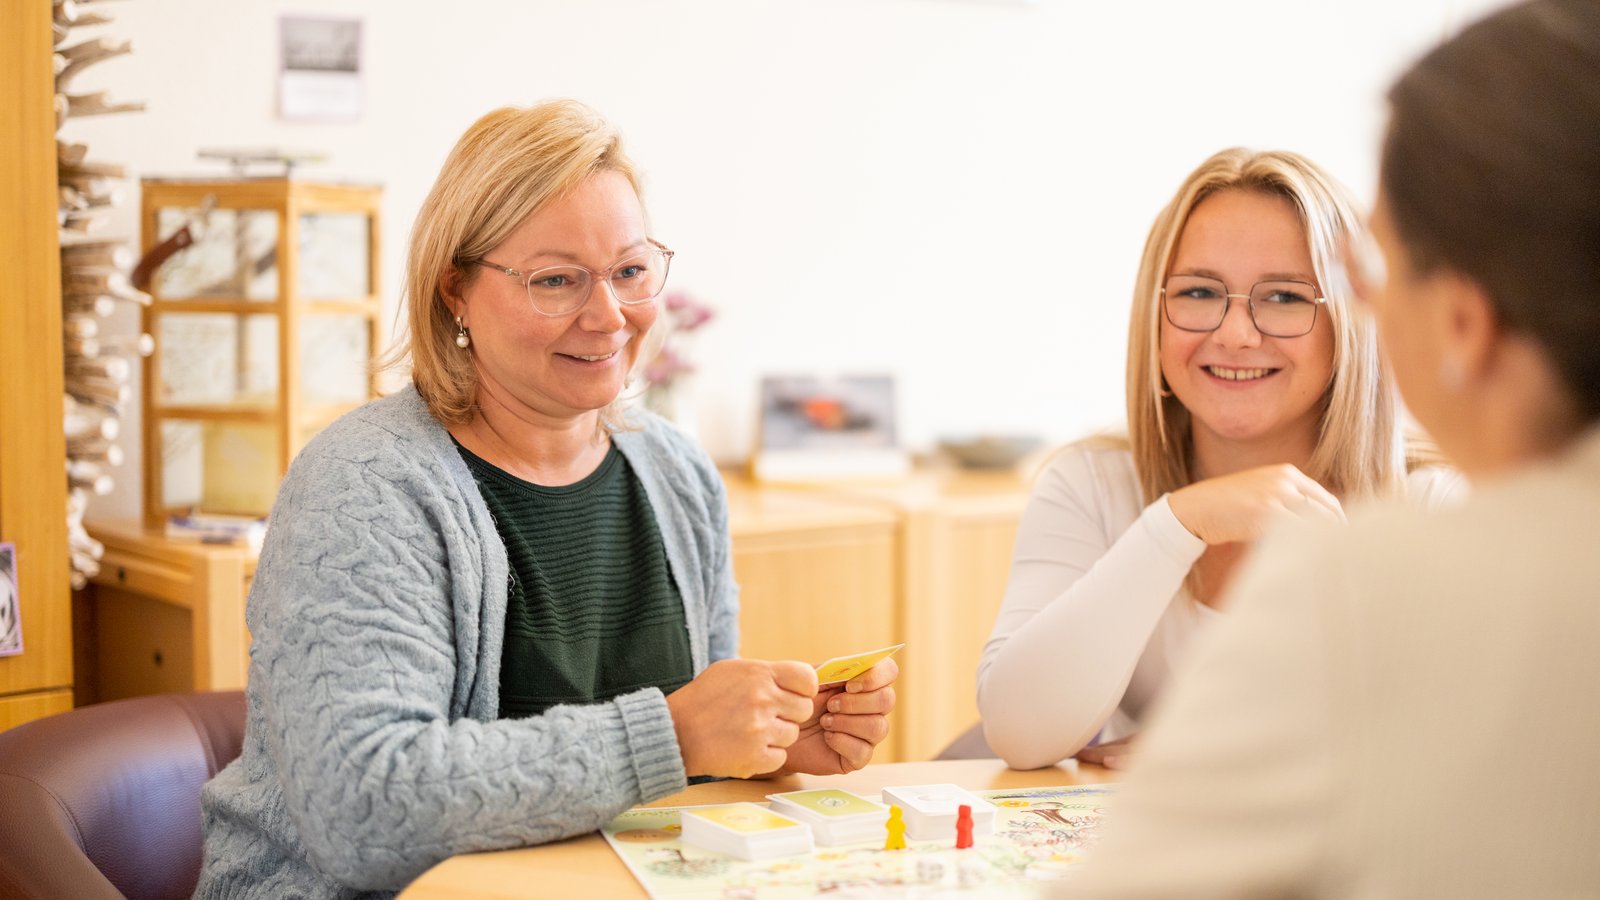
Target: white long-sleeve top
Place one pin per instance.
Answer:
(1095, 615)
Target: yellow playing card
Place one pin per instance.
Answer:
(743, 818)
(844, 668)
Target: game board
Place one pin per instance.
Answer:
(1039, 834)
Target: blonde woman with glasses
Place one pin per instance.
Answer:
(496, 608)
(1253, 391)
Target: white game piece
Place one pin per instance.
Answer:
(930, 810)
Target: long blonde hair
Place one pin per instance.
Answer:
(1359, 449)
(511, 163)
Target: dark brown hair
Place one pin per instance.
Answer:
(1491, 169)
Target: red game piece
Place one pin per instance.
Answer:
(963, 827)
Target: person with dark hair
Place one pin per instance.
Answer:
(1410, 706)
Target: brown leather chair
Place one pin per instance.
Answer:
(104, 801)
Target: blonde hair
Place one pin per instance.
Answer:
(510, 164)
(1359, 449)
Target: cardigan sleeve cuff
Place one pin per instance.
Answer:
(652, 744)
(1168, 533)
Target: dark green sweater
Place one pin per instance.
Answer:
(593, 611)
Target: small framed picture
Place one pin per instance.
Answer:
(320, 78)
(10, 606)
(815, 428)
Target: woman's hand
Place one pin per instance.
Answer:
(738, 716)
(1238, 507)
(1112, 754)
(847, 723)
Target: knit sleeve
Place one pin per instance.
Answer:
(361, 658)
(724, 590)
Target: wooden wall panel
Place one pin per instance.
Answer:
(32, 445)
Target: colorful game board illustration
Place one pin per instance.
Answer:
(1039, 834)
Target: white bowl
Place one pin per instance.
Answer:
(990, 451)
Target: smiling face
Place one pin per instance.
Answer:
(565, 366)
(1239, 386)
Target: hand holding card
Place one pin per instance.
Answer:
(738, 716)
(851, 714)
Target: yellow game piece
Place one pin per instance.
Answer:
(896, 826)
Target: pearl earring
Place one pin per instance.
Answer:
(462, 340)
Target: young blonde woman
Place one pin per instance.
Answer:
(1253, 391)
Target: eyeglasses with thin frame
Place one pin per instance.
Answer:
(562, 290)
(1282, 309)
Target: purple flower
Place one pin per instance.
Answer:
(685, 314)
(693, 317)
(667, 365)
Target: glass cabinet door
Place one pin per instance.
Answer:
(219, 466)
(224, 360)
(264, 331)
(335, 354)
(234, 255)
(334, 263)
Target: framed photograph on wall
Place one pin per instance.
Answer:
(10, 606)
(320, 77)
(815, 428)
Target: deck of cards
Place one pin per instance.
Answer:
(843, 668)
(930, 810)
(836, 817)
(745, 830)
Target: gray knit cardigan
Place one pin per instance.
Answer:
(372, 749)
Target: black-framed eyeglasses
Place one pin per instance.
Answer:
(563, 290)
(1282, 309)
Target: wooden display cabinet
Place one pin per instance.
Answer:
(265, 328)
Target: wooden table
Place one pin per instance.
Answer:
(586, 867)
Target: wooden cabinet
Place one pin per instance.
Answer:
(957, 529)
(265, 327)
(817, 577)
(164, 615)
(33, 484)
(808, 591)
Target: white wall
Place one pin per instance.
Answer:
(952, 191)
